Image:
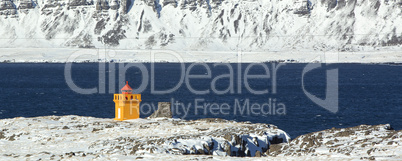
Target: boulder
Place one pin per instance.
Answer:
(170, 2)
(163, 110)
(2, 136)
(79, 3)
(26, 4)
(257, 154)
(6, 4)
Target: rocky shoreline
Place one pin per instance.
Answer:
(88, 138)
(363, 142)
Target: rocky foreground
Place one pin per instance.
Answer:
(378, 142)
(88, 138)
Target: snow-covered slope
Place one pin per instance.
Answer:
(207, 25)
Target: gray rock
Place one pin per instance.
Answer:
(102, 5)
(163, 110)
(79, 3)
(105, 5)
(6, 4)
(227, 149)
(303, 8)
(190, 4)
(200, 151)
(113, 37)
(170, 2)
(257, 154)
(7, 7)
(12, 137)
(274, 149)
(26, 4)
(100, 25)
(2, 136)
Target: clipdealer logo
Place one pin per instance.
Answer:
(330, 103)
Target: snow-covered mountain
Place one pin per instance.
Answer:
(190, 25)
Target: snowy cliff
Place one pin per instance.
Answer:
(215, 25)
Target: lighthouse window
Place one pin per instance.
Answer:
(131, 97)
(126, 98)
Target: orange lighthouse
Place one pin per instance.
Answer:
(127, 104)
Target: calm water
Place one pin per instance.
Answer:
(368, 94)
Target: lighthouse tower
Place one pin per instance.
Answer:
(127, 104)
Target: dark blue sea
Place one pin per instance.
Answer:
(367, 93)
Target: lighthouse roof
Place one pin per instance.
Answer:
(126, 87)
